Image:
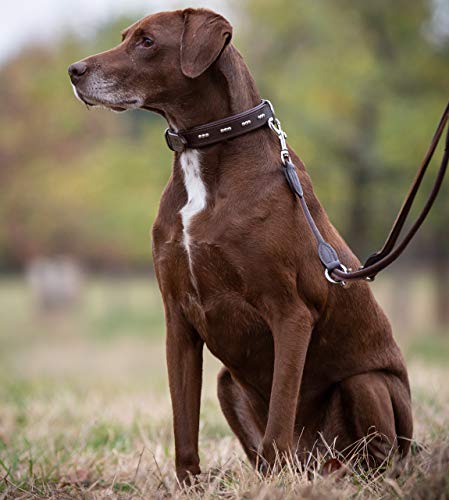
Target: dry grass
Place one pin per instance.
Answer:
(84, 413)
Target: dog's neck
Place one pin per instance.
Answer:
(226, 89)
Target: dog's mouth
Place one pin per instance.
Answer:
(94, 102)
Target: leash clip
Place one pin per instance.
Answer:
(276, 127)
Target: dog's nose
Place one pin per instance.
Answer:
(77, 70)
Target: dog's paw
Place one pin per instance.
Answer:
(333, 466)
(188, 477)
(271, 460)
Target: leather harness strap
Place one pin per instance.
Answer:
(335, 272)
(220, 130)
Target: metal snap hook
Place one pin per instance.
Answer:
(276, 127)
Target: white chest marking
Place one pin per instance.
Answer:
(196, 194)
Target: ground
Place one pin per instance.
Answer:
(85, 412)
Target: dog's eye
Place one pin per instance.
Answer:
(146, 42)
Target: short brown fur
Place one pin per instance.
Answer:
(301, 356)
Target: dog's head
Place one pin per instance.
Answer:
(159, 59)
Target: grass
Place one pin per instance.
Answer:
(85, 412)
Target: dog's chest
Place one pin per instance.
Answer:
(196, 198)
(180, 231)
(202, 270)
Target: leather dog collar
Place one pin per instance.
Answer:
(220, 130)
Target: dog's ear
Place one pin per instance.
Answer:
(204, 38)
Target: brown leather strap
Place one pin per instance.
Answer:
(388, 254)
(220, 130)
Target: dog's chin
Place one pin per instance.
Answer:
(116, 109)
(109, 107)
(95, 102)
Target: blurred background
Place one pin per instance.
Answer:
(359, 87)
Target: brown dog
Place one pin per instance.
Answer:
(237, 265)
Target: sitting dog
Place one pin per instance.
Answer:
(237, 265)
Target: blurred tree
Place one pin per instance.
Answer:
(65, 172)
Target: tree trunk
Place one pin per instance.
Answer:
(361, 166)
(440, 268)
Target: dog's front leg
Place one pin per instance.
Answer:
(291, 327)
(184, 361)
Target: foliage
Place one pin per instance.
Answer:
(74, 181)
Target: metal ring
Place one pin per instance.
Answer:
(285, 156)
(275, 125)
(335, 282)
(271, 106)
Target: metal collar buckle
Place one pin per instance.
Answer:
(175, 141)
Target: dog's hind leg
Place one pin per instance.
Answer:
(372, 405)
(400, 398)
(240, 414)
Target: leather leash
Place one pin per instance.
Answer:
(335, 271)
